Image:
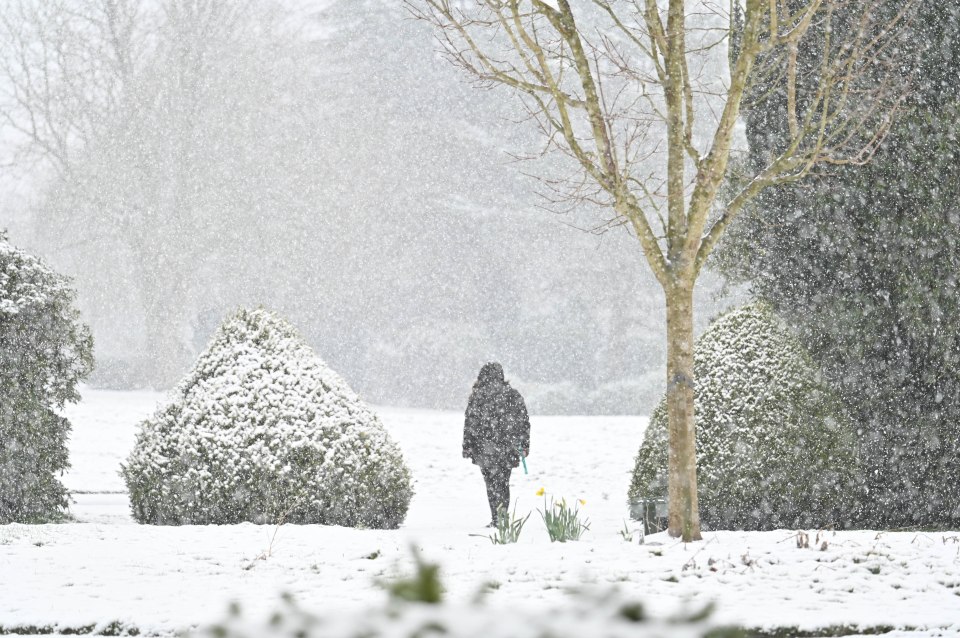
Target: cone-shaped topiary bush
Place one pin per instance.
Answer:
(261, 430)
(774, 448)
(45, 351)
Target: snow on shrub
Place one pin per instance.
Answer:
(45, 351)
(261, 430)
(774, 448)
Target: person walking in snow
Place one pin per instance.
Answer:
(496, 433)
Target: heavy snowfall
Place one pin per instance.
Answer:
(479, 318)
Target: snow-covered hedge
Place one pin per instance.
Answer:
(45, 351)
(774, 448)
(261, 430)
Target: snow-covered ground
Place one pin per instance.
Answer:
(160, 579)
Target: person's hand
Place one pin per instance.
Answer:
(526, 452)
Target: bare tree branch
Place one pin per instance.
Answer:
(626, 89)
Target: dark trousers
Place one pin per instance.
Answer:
(498, 488)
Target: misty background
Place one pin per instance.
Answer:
(321, 159)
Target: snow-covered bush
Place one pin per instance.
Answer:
(261, 430)
(774, 448)
(45, 351)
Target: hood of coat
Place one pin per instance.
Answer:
(491, 374)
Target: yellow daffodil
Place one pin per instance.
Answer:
(582, 502)
(541, 492)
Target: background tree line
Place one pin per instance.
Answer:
(185, 157)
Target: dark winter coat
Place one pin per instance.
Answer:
(496, 428)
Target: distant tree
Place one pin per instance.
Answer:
(66, 68)
(632, 93)
(863, 261)
(173, 128)
(45, 351)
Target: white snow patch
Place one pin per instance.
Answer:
(162, 579)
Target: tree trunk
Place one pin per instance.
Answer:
(684, 510)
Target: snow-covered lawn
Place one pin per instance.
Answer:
(160, 579)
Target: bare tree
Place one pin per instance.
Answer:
(64, 68)
(171, 128)
(630, 91)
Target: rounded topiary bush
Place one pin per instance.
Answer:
(774, 448)
(45, 351)
(261, 430)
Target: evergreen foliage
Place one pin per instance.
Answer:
(863, 262)
(773, 446)
(45, 351)
(261, 430)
